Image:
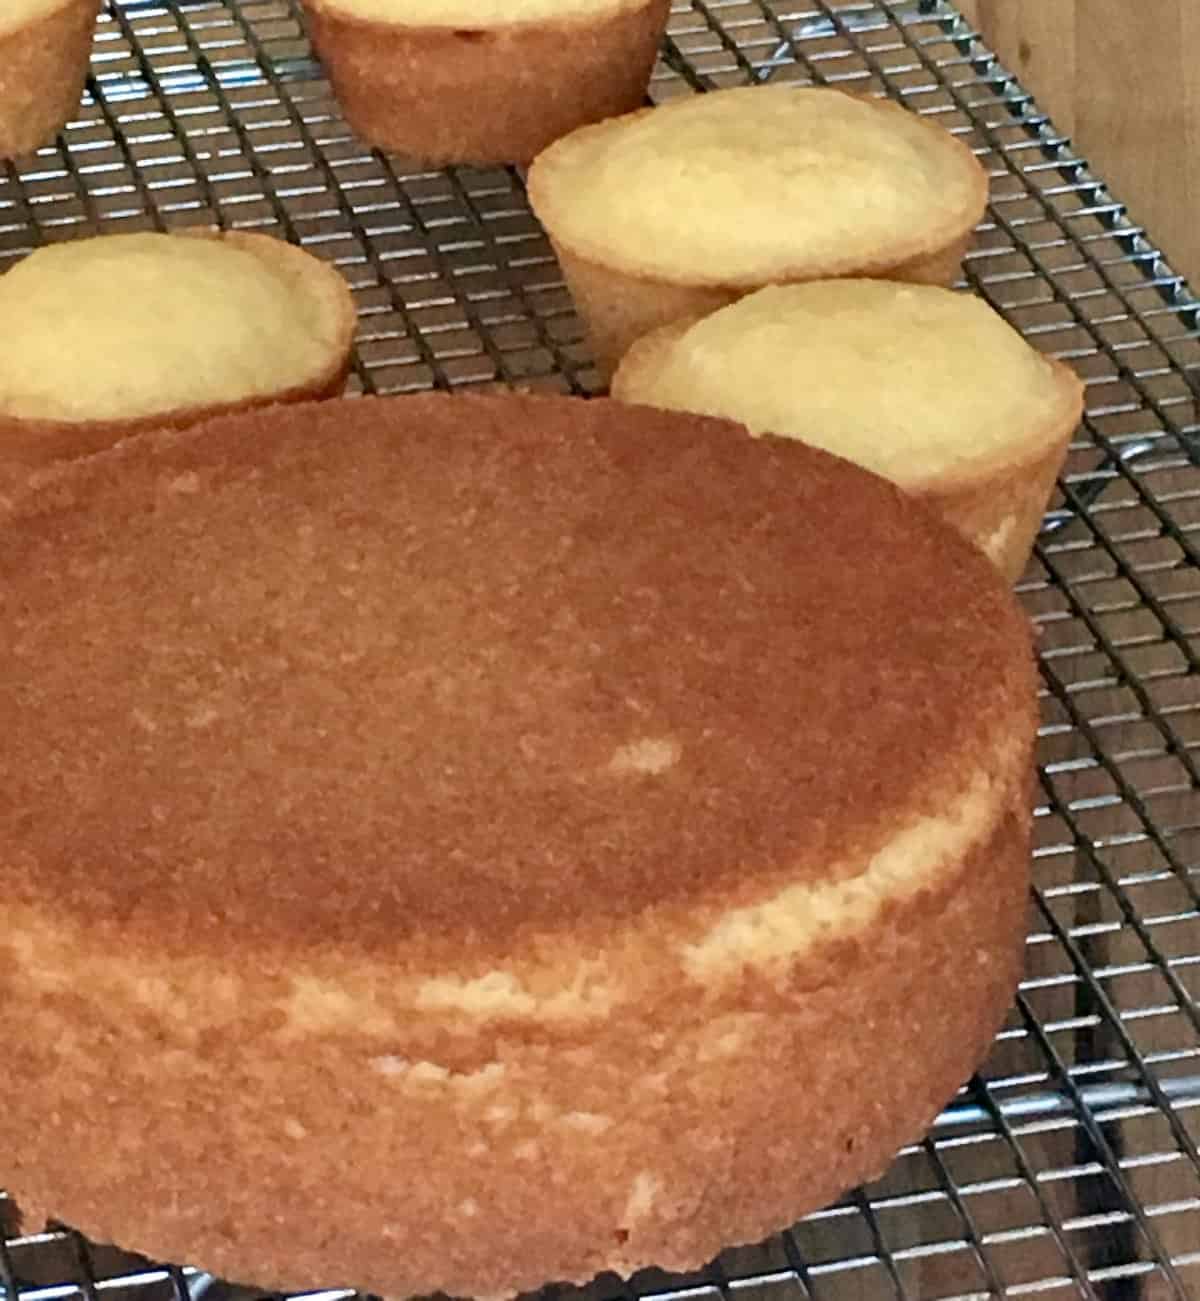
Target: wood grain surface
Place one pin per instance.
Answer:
(1124, 80)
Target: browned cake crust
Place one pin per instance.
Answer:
(43, 65)
(486, 95)
(28, 447)
(387, 790)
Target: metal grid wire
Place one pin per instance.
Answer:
(1069, 1165)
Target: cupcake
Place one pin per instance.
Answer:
(925, 386)
(116, 334)
(679, 210)
(45, 46)
(483, 81)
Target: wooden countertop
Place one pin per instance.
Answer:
(1123, 80)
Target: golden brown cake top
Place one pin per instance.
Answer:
(923, 385)
(757, 183)
(124, 327)
(468, 671)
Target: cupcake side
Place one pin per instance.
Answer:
(45, 47)
(465, 85)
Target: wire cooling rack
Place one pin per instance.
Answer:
(1069, 1165)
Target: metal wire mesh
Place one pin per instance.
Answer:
(1069, 1166)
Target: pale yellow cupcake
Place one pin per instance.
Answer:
(115, 334)
(483, 81)
(679, 210)
(925, 386)
(45, 46)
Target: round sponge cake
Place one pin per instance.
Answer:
(678, 210)
(45, 47)
(483, 81)
(491, 840)
(928, 387)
